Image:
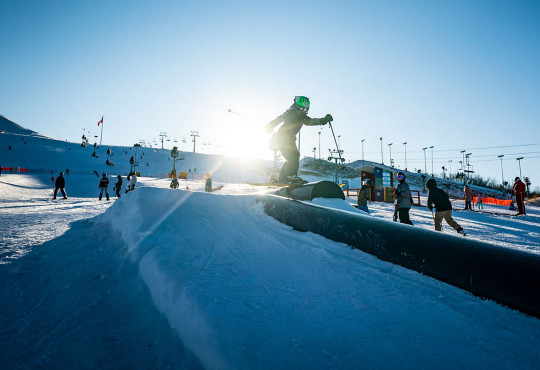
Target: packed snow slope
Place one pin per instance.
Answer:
(187, 279)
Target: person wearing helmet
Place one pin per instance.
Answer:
(519, 191)
(293, 120)
(364, 194)
(403, 199)
(104, 186)
(468, 196)
(60, 183)
(443, 208)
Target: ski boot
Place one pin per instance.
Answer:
(296, 180)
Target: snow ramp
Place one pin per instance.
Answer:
(508, 276)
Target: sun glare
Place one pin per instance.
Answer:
(243, 138)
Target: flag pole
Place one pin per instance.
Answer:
(101, 136)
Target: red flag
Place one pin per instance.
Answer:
(100, 121)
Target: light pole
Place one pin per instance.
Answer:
(362, 141)
(405, 144)
(432, 174)
(320, 144)
(382, 157)
(463, 163)
(502, 172)
(390, 147)
(519, 161)
(314, 150)
(425, 163)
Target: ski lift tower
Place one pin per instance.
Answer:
(333, 152)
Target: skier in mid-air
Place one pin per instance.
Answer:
(293, 120)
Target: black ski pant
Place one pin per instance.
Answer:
(117, 191)
(404, 216)
(467, 205)
(290, 152)
(61, 190)
(520, 204)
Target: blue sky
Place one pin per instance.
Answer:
(457, 75)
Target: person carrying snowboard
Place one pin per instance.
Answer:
(443, 207)
(60, 183)
(118, 186)
(293, 120)
(104, 186)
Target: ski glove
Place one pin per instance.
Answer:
(326, 119)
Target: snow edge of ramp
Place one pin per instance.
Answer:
(508, 276)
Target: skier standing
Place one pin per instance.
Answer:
(468, 196)
(208, 184)
(443, 207)
(403, 199)
(104, 186)
(364, 194)
(118, 186)
(519, 190)
(60, 183)
(293, 120)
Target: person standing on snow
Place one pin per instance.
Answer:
(403, 199)
(468, 196)
(60, 183)
(443, 207)
(118, 186)
(364, 194)
(519, 191)
(293, 120)
(208, 184)
(104, 186)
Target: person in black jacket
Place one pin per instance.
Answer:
(443, 207)
(60, 183)
(293, 120)
(104, 186)
(118, 186)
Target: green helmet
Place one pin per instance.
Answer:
(301, 103)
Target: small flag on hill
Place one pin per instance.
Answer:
(100, 121)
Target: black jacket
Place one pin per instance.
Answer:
(440, 199)
(293, 122)
(104, 182)
(60, 182)
(118, 184)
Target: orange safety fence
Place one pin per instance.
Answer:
(499, 202)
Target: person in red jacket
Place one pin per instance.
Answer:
(519, 191)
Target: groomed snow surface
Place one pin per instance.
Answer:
(165, 278)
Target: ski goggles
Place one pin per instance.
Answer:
(400, 177)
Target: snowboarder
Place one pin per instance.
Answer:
(132, 178)
(468, 196)
(443, 208)
(118, 186)
(293, 120)
(519, 191)
(104, 186)
(208, 184)
(364, 194)
(60, 183)
(403, 199)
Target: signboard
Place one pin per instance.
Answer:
(386, 178)
(379, 195)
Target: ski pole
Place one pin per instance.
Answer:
(339, 153)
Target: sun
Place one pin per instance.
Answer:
(244, 138)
